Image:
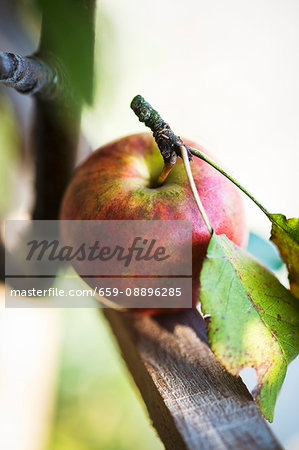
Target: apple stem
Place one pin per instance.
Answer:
(171, 146)
(166, 169)
(167, 142)
(205, 158)
(185, 157)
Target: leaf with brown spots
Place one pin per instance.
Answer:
(254, 319)
(285, 235)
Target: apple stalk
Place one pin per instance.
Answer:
(171, 147)
(167, 142)
(164, 174)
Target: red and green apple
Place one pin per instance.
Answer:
(119, 182)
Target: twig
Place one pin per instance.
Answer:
(57, 106)
(168, 143)
(32, 75)
(57, 120)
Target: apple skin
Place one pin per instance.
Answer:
(116, 182)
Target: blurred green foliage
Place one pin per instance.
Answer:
(68, 33)
(9, 149)
(98, 406)
(107, 81)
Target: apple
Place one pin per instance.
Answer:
(118, 182)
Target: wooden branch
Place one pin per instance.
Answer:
(31, 75)
(54, 142)
(60, 77)
(57, 121)
(193, 402)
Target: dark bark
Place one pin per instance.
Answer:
(60, 76)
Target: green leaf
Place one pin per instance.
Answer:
(285, 235)
(254, 319)
(10, 146)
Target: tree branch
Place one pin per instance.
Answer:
(60, 78)
(32, 75)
